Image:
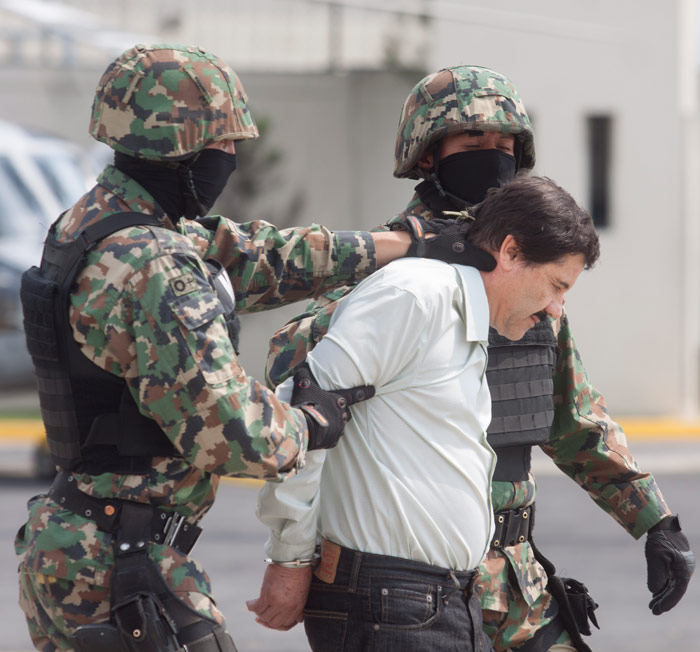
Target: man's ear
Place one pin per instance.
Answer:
(509, 253)
(426, 161)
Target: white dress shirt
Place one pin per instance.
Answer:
(411, 475)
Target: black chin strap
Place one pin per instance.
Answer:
(434, 196)
(192, 206)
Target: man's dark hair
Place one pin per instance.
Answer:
(544, 219)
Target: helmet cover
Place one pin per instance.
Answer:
(167, 102)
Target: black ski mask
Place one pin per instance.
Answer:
(204, 179)
(468, 175)
(185, 188)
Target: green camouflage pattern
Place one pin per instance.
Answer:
(509, 630)
(459, 99)
(144, 310)
(56, 544)
(166, 102)
(517, 619)
(585, 443)
(55, 608)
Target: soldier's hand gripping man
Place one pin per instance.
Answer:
(130, 321)
(463, 130)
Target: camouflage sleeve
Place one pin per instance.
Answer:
(290, 345)
(182, 368)
(592, 449)
(269, 267)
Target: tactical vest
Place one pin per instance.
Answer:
(519, 375)
(92, 422)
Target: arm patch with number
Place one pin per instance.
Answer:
(183, 284)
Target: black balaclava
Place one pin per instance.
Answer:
(186, 188)
(468, 175)
(461, 180)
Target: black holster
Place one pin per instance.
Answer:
(581, 603)
(145, 614)
(576, 606)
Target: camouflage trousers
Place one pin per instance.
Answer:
(509, 630)
(55, 608)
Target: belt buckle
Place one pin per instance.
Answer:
(172, 528)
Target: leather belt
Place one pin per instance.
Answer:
(513, 526)
(167, 527)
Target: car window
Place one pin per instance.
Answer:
(19, 208)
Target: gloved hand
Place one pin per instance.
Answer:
(670, 564)
(449, 242)
(326, 412)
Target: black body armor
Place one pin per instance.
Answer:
(519, 375)
(92, 422)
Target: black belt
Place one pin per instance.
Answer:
(513, 526)
(350, 567)
(167, 527)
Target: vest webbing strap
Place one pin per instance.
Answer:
(526, 389)
(521, 422)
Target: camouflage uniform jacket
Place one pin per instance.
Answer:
(585, 443)
(169, 341)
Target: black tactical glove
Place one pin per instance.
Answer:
(670, 564)
(326, 412)
(449, 243)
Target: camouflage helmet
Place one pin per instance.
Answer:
(166, 102)
(459, 99)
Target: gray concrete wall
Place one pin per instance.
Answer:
(335, 134)
(634, 315)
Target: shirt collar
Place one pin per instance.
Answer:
(476, 305)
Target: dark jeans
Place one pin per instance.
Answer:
(386, 604)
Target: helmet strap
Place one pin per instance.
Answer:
(442, 199)
(192, 205)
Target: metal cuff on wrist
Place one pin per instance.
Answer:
(296, 563)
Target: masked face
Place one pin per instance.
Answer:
(188, 189)
(470, 162)
(204, 180)
(469, 175)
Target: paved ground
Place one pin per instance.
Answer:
(581, 540)
(572, 531)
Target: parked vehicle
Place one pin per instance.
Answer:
(40, 176)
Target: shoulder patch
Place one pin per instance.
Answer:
(183, 284)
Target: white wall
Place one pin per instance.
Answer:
(568, 60)
(636, 315)
(336, 134)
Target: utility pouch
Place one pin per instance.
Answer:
(206, 637)
(144, 626)
(145, 614)
(96, 638)
(582, 605)
(575, 605)
(141, 626)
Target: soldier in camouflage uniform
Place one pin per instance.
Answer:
(129, 321)
(462, 130)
